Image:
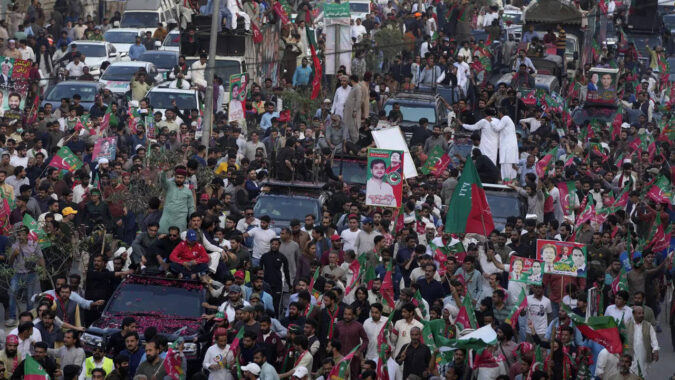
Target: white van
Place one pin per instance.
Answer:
(145, 15)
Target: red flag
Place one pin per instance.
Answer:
(32, 116)
(469, 210)
(355, 267)
(173, 364)
(542, 165)
(387, 289)
(257, 35)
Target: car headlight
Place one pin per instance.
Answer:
(190, 348)
(92, 340)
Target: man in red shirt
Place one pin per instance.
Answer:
(189, 258)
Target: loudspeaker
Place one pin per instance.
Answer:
(226, 43)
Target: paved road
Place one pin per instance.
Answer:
(665, 367)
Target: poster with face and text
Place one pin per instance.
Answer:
(562, 257)
(384, 186)
(105, 148)
(523, 269)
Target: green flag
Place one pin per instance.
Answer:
(65, 159)
(468, 210)
(32, 370)
(36, 232)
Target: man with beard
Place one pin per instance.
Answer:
(219, 357)
(10, 355)
(257, 287)
(97, 360)
(294, 316)
(48, 330)
(179, 201)
(116, 342)
(153, 366)
(275, 266)
(100, 284)
(234, 301)
(269, 341)
(134, 351)
(40, 355)
(215, 253)
(121, 370)
(158, 256)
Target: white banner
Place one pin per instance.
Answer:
(392, 138)
(343, 50)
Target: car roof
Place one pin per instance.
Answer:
(131, 63)
(218, 58)
(124, 30)
(88, 42)
(172, 90)
(161, 52)
(79, 82)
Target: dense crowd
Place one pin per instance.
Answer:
(356, 291)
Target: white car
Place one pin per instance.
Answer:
(117, 77)
(122, 38)
(171, 41)
(226, 66)
(161, 99)
(97, 52)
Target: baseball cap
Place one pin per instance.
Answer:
(204, 197)
(235, 288)
(300, 372)
(191, 235)
(248, 309)
(219, 316)
(239, 274)
(335, 238)
(68, 211)
(253, 368)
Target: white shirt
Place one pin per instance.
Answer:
(79, 191)
(339, 100)
(229, 311)
(640, 352)
(216, 355)
(537, 311)
(608, 365)
(75, 70)
(27, 53)
(402, 330)
(373, 329)
(19, 161)
(261, 240)
(358, 31)
(626, 313)
(349, 238)
(197, 71)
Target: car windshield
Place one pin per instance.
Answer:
(90, 50)
(351, 171)
(285, 208)
(119, 73)
(570, 45)
(139, 19)
(224, 68)
(162, 100)
(120, 37)
(164, 300)
(359, 7)
(161, 60)
(515, 18)
(60, 91)
(503, 206)
(669, 19)
(413, 113)
(173, 39)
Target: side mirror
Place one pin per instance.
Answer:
(113, 54)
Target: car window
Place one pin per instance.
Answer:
(119, 73)
(120, 37)
(285, 208)
(139, 19)
(173, 39)
(413, 113)
(359, 7)
(224, 68)
(162, 300)
(351, 171)
(160, 59)
(90, 50)
(162, 100)
(67, 91)
(503, 206)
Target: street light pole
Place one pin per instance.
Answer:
(210, 70)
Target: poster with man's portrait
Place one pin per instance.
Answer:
(105, 148)
(238, 83)
(384, 185)
(562, 257)
(602, 85)
(523, 269)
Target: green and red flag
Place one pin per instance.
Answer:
(387, 288)
(519, 306)
(567, 196)
(466, 318)
(355, 267)
(318, 72)
(383, 347)
(33, 370)
(542, 166)
(469, 211)
(173, 364)
(620, 282)
(36, 233)
(33, 113)
(659, 238)
(315, 293)
(458, 250)
(65, 159)
(418, 301)
(602, 330)
(436, 162)
(341, 368)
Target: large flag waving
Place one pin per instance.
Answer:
(469, 211)
(466, 319)
(341, 369)
(316, 80)
(602, 330)
(519, 306)
(65, 159)
(173, 364)
(541, 167)
(32, 370)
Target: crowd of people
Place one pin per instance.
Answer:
(352, 291)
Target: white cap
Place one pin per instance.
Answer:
(625, 125)
(103, 160)
(253, 368)
(300, 372)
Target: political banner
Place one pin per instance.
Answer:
(238, 83)
(523, 269)
(562, 257)
(602, 85)
(384, 185)
(14, 84)
(105, 148)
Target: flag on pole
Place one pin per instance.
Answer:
(382, 348)
(173, 364)
(542, 166)
(568, 191)
(316, 63)
(387, 288)
(418, 301)
(355, 267)
(33, 113)
(466, 318)
(469, 211)
(65, 159)
(518, 307)
(315, 293)
(620, 282)
(32, 370)
(437, 161)
(602, 330)
(36, 233)
(341, 369)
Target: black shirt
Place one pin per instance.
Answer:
(416, 360)
(273, 263)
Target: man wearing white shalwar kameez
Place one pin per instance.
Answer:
(643, 343)
(508, 145)
(489, 137)
(340, 98)
(236, 11)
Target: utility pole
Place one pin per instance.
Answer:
(210, 70)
